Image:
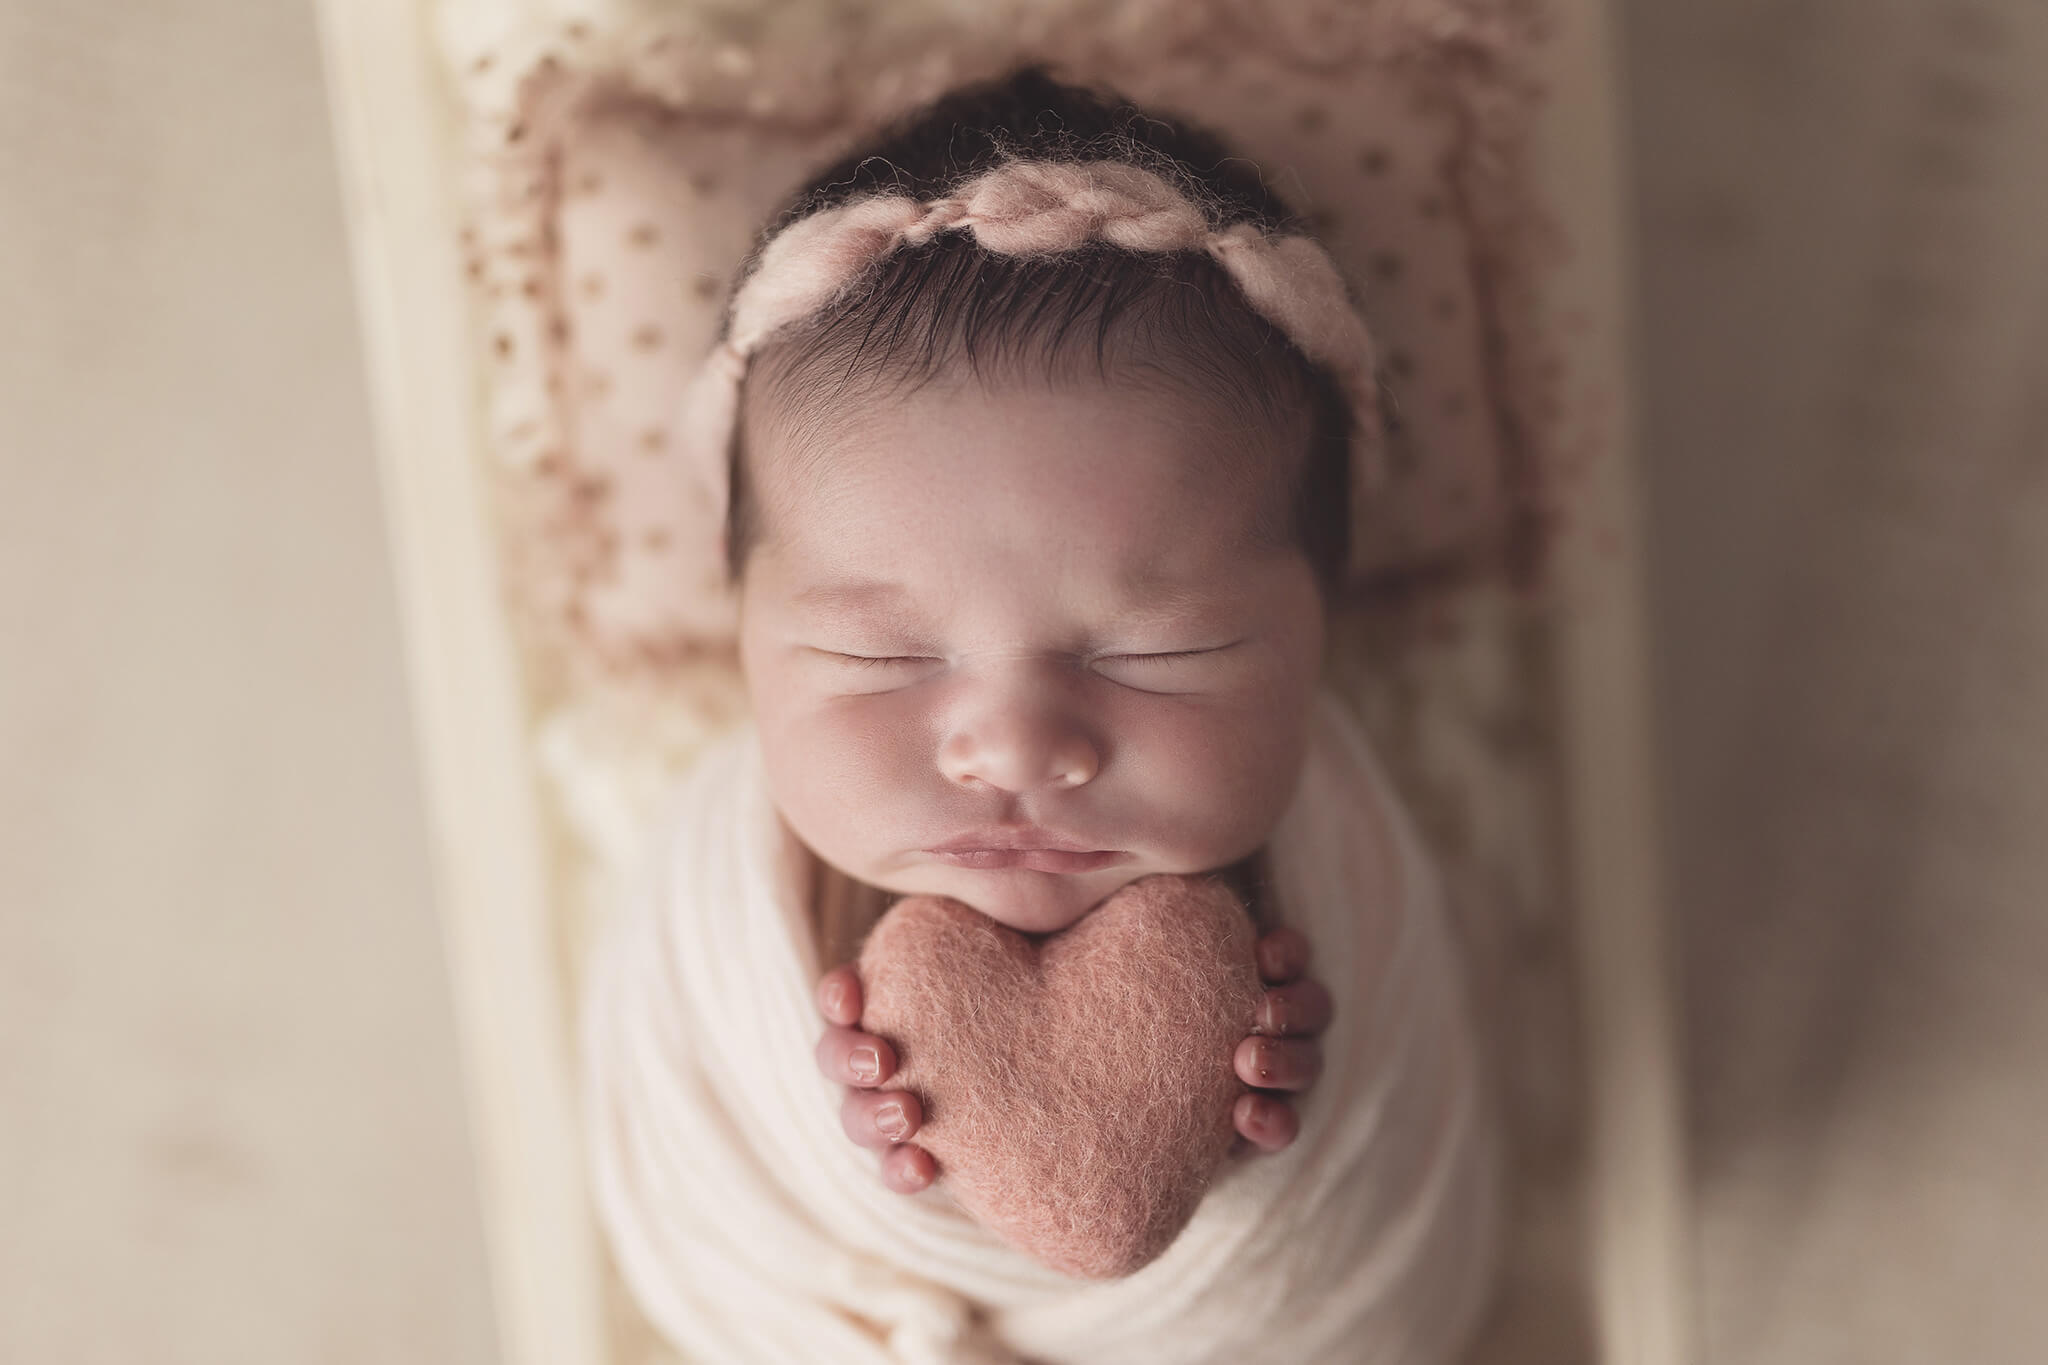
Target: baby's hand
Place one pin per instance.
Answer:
(1280, 1056)
(878, 1119)
(1282, 1053)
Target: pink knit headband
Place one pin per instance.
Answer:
(1032, 208)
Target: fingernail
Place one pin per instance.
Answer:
(1262, 1061)
(835, 997)
(1273, 1014)
(866, 1064)
(891, 1123)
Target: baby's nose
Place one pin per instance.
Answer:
(1020, 750)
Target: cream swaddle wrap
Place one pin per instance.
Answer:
(752, 1230)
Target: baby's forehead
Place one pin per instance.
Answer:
(1010, 576)
(804, 444)
(912, 604)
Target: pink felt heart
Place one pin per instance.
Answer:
(1077, 1088)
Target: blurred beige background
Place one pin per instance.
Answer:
(1843, 208)
(230, 1124)
(230, 1121)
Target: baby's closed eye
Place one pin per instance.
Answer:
(1132, 660)
(874, 673)
(1166, 669)
(880, 661)
(1166, 656)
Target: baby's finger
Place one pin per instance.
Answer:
(908, 1169)
(1268, 1123)
(851, 1057)
(1283, 956)
(1278, 1063)
(1300, 1010)
(839, 996)
(880, 1118)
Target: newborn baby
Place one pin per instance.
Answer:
(1035, 428)
(1033, 559)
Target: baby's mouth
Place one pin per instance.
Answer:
(1031, 859)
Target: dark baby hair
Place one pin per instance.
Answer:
(948, 302)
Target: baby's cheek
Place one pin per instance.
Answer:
(1221, 784)
(843, 774)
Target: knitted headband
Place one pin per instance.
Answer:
(1032, 208)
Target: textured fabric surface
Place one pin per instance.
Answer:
(1077, 1090)
(751, 1229)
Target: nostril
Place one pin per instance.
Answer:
(1020, 758)
(1080, 766)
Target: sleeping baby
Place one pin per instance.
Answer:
(1038, 430)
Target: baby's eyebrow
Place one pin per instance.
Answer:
(847, 593)
(1148, 595)
(1152, 600)
(874, 602)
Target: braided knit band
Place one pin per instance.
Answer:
(1032, 208)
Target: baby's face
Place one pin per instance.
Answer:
(1026, 617)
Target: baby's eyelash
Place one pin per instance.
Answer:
(870, 661)
(878, 661)
(1174, 654)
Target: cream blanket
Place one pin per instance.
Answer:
(753, 1231)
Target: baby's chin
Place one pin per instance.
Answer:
(1028, 901)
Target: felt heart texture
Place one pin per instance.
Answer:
(1077, 1087)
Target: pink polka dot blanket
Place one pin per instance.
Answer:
(625, 158)
(1088, 1210)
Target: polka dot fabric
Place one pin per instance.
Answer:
(653, 218)
(624, 163)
